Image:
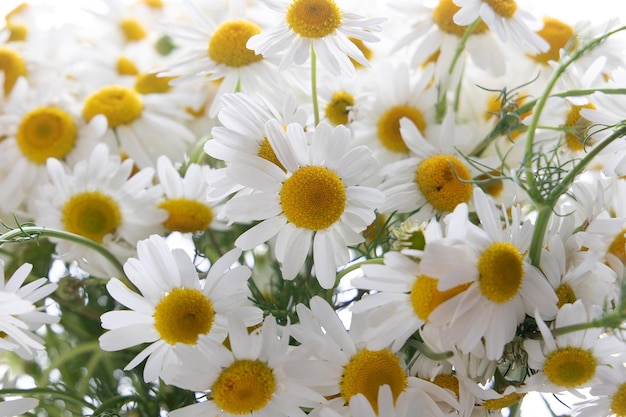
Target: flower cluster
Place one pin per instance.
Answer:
(311, 208)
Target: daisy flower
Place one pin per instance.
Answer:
(434, 179)
(260, 375)
(404, 298)
(570, 361)
(319, 26)
(218, 52)
(505, 18)
(499, 285)
(396, 94)
(609, 393)
(184, 197)
(434, 37)
(38, 124)
(143, 126)
(316, 200)
(19, 317)
(352, 367)
(101, 200)
(174, 307)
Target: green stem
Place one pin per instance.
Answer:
(461, 46)
(24, 233)
(356, 266)
(546, 208)
(116, 401)
(67, 355)
(316, 110)
(35, 392)
(426, 351)
(541, 102)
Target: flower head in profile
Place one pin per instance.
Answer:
(260, 375)
(185, 199)
(319, 26)
(102, 200)
(19, 317)
(142, 126)
(316, 200)
(173, 306)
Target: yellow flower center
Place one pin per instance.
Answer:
(501, 271)
(17, 32)
(132, 30)
(618, 402)
(183, 315)
(46, 132)
(565, 295)
(338, 108)
(618, 246)
(558, 35)
(13, 66)
(228, 44)
(313, 198)
(155, 4)
(505, 8)
(150, 83)
(244, 387)
(126, 66)
(388, 126)
(186, 215)
(120, 105)
(267, 152)
(506, 401)
(368, 370)
(490, 183)
(441, 179)
(570, 367)
(91, 214)
(447, 381)
(425, 296)
(313, 18)
(442, 16)
(576, 134)
(367, 52)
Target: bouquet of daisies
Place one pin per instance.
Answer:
(310, 208)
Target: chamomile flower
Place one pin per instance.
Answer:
(352, 367)
(396, 94)
(434, 37)
(261, 375)
(505, 18)
(99, 200)
(580, 275)
(19, 317)
(609, 394)
(143, 126)
(185, 198)
(38, 124)
(502, 286)
(319, 26)
(218, 52)
(317, 200)
(403, 300)
(173, 306)
(570, 361)
(434, 178)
